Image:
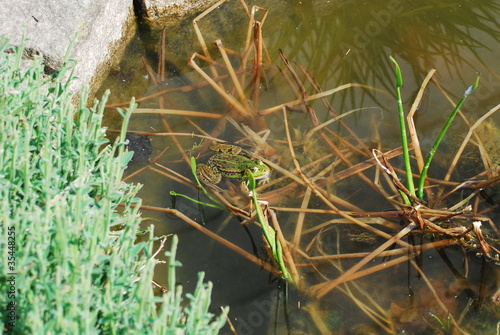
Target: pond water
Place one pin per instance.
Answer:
(338, 42)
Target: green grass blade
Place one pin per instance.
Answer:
(269, 233)
(430, 156)
(402, 126)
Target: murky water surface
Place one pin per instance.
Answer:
(337, 42)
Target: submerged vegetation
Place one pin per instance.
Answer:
(73, 258)
(343, 224)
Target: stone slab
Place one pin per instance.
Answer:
(158, 13)
(100, 30)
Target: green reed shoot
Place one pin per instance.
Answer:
(196, 201)
(269, 233)
(445, 327)
(404, 138)
(430, 156)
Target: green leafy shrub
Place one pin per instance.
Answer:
(70, 262)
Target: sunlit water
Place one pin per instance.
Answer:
(338, 42)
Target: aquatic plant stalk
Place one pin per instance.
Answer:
(430, 156)
(269, 232)
(402, 126)
(195, 201)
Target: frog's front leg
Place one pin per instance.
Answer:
(207, 174)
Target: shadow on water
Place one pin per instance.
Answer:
(328, 44)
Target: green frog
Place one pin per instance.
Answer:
(231, 162)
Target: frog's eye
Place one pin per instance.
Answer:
(255, 169)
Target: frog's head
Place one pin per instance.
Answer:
(260, 170)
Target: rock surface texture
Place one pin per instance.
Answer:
(157, 12)
(99, 29)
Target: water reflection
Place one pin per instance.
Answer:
(350, 40)
(337, 42)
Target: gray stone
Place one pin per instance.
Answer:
(164, 12)
(100, 30)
